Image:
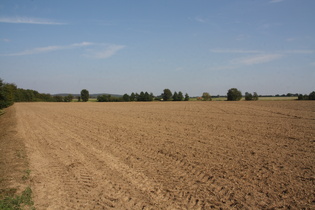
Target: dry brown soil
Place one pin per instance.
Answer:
(13, 158)
(177, 155)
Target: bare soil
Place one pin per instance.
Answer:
(170, 155)
(13, 158)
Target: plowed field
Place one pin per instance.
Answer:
(170, 155)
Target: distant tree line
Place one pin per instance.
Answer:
(9, 93)
(311, 96)
(108, 98)
(251, 97)
(167, 95)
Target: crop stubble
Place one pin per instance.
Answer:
(177, 155)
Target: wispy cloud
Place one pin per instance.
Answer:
(298, 51)
(291, 39)
(200, 19)
(241, 51)
(235, 51)
(258, 59)
(27, 20)
(108, 51)
(222, 68)
(5, 40)
(95, 50)
(40, 50)
(258, 56)
(276, 1)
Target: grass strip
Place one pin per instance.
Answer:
(18, 201)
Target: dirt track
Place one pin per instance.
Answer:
(185, 155)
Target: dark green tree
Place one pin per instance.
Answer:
(255, 96)
(234, 94)
(85, 95)
(126, 97)
(303, 97)
(68, 98)
(58, 98)
(151, 97)
(206, 96)
(167, 95)
(146, 96)
(311, 96)
(248, 96)
(137, 96)
(104, 98)
(7, 94)
(186, 97)
(180, 96)
(132, 97)
(141, 96)
(175, 96)
(100, 98)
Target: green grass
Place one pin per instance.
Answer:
(259, 99)
(10, 200)
(275, 98)
(219, 99)
(278, 98)
(92, 100)
(27, 174)
(18, 201)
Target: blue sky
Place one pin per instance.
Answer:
(120, 46)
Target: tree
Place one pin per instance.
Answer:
(85, 95)
(137, 97)
(206, 96)
(146, 96)
(180, 96)
(303, 97)
(234, 94)
(141, 96)
(175, 96)
(58, 98)
(167, 95)
(7, 94)
(126, 97)
(68, 98)
(248, 96)
(104, 98)
(255, 96)
(151, 97)
(311, 96)
(186, 97)
(132, 97)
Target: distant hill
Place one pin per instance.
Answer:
(93, 95)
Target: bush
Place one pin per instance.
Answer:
(312, 96)
(7, 94)
(68, 98)
(167, 95)
(206, 97)
(234, 94)
(186, 97)
(126, 97)
(85, 95)
(248, 96)
(58, 98)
